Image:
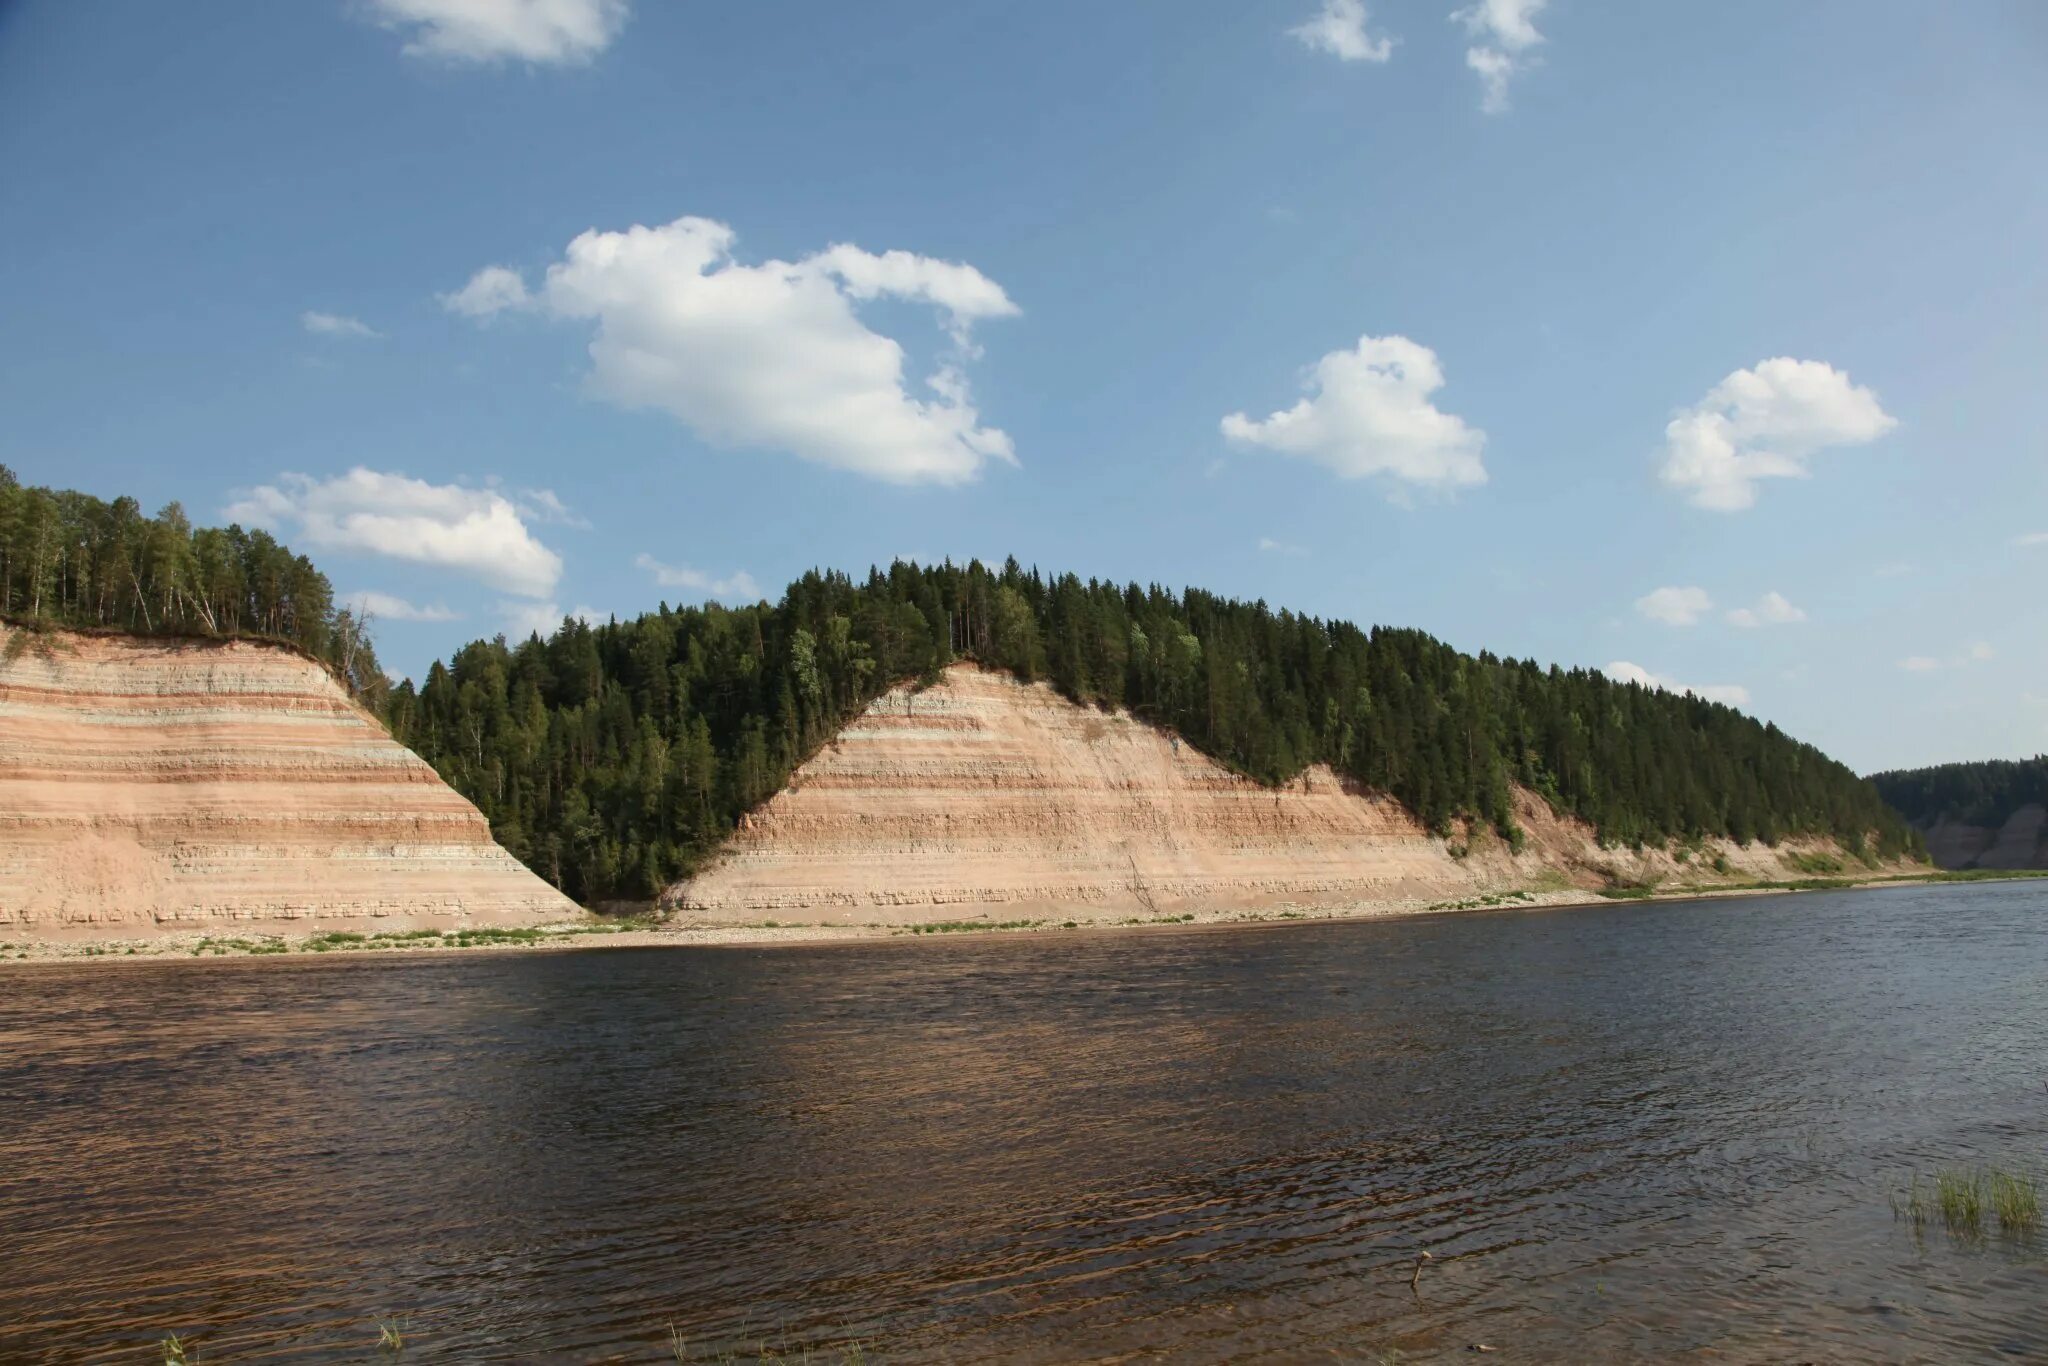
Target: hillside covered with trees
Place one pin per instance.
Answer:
(71, 559)
(612, 758)
(1985, 794)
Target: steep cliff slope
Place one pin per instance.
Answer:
(986, 796)
(2018, 841)
(153, 785)
(1991, 814)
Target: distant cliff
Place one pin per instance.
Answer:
(1982, 815)
(985, 796)
(152, 785)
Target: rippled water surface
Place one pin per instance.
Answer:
(1622, 1133)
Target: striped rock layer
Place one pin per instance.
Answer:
(2021, 841)
(983, 792)
(982, 795)
(150, 785)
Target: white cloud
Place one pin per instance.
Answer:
(1978, 653)
(1675, 606)
(1368, 412)
(1621, 671)
(543, 619)
(1772, 609)
(542, 505)
(738, 587)
(1503, 32)
(1338, 28)
(1765, 424)
(773, 356)
(1273, 547)
(490, 291)
(335, 325)
(477, 532)
(542, 32)
(387, 607)
(2031, 538)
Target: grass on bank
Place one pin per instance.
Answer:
(1960, 1198)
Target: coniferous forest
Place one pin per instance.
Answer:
(612, 758)
(70, 559)
(1984, 793)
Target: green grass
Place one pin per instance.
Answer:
(2016, 1200)
(1813, 865)
(1960, 1197)
(970, 926)
(391, 1334)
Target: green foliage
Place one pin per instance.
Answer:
(612, 759)
(70, 559)
(1976, 794)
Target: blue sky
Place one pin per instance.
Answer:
(1705, 303)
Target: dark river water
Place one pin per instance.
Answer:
(1629, 1133)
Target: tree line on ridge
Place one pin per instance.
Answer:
(612, 758)
(1985, 793)
(71, 559)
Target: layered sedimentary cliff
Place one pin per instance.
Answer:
(983, 795)
(157, 785)
(2020, 841)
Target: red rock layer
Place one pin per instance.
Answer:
(154, 785)
(984, 791)
(983, 795)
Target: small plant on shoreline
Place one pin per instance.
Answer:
(391, 1334)
(1960, 1196)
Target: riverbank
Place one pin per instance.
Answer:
(681, 931)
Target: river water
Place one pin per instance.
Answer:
(1622, 1133)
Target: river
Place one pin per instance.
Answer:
(1621, 1133)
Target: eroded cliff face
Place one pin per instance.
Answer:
(986, 796)
(148, 786)
(2020, 842)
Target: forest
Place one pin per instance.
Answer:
(1984, 793)
(613, 757)
(70, 559)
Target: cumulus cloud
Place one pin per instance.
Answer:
(1272, 547)
(388, 607)
(1978, 653)
(773, 356)
(1368, 411)
(542, 32)
(477, 532)
(1766, 423)
(737, 587)
(1772, 609)
(542, 505)
(1621, 671)
(1338, 28)
(543, 619)
(335, 325)
(490, 291)
(1675, 606)
(1503, 32)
